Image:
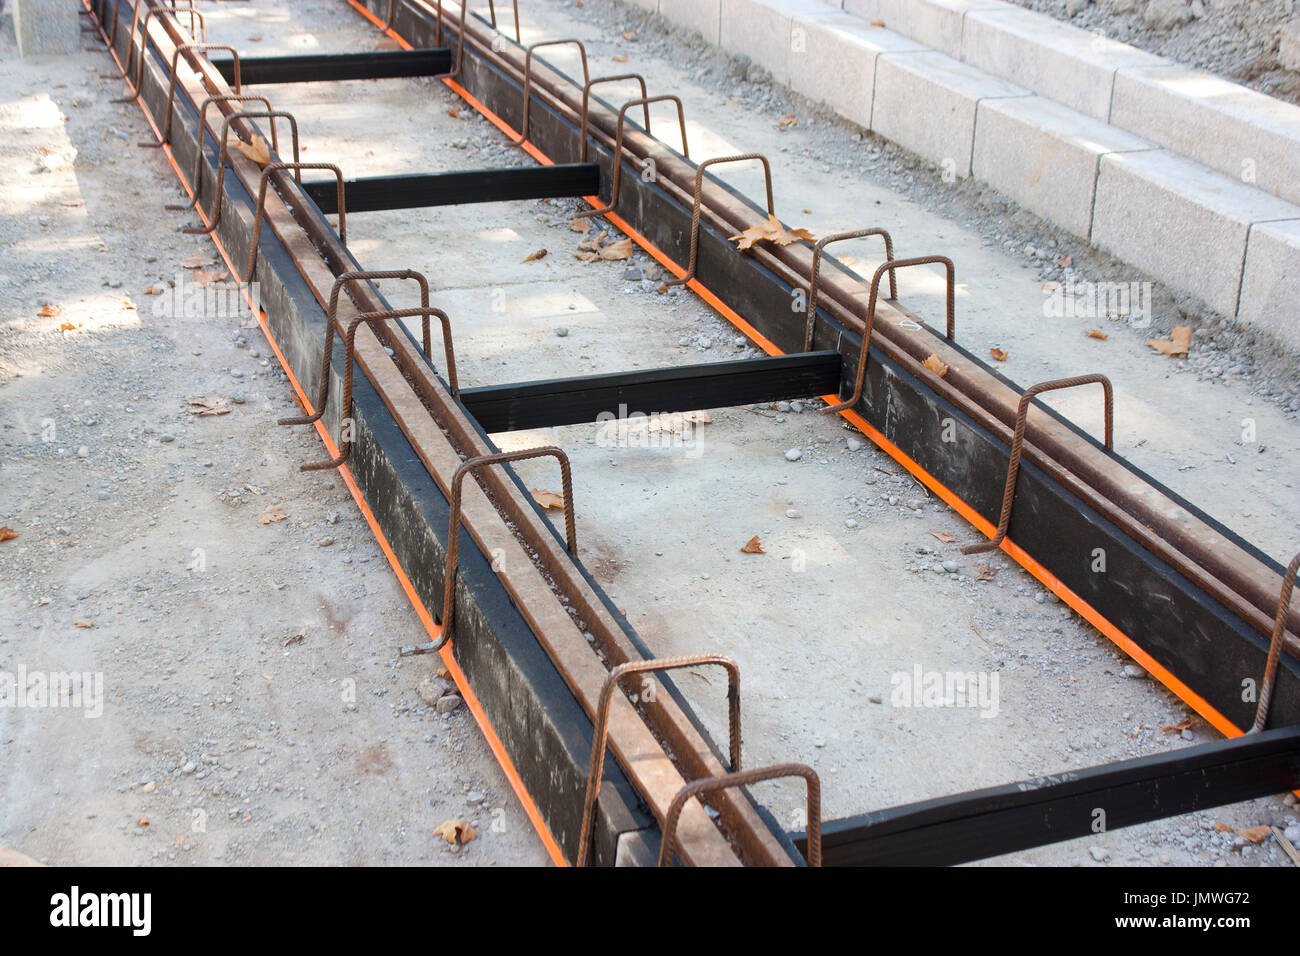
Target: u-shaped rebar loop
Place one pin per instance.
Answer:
(600, 736)
(528, 80)
(331, 324)
(170, 94)
(112, 29)
(586, 103)
(198, 153)
(460, 37)
(388, 20)
(453, 534)
(618, 147)
(224, 155)
(1018, 444)
(195, 15)
(144, 48)
(817, 264)
(813, 811)
(261, 205)
(492, 14)
(699, 193)
(891, 266)
(130, 47)
(1275, 647)
(349, 351)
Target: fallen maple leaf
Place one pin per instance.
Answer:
(936, 366)
(258, 150)
(581, 226)
(1176, 346)
(83, 623)
(619, 58)
(202, 277)
(455, 831)
(770, 231)
(67, 327)
(209, 406)
(586, 255)
(1096, 334)
(1255, 834)
(752, 546)
(49, 311)
(615, 251)
(985, 572)
(7, 533)
(271, 515)
(999, 354)
(196, 262)
(675, 422)
(539, 254)
(548, 499)
(944, 536)
(1185, 724)
(1222, 827)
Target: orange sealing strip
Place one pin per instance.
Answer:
(472, 703)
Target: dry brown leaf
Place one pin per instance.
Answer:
(1222, 827)
(74, 203)
(936, 366)
(271, 515)
(788, 120)
(208, 406)
(202, 277)
(1186, 723)
(615, 251)
(944, 536)
(1065, 261)
(548, 499)
(539, 254)
(129, 305)
(752, 546)
(877, 23)
(143, 821)
(619, 58)
(630, 35)
(455, 831)
(154, 290)
(771, 231)
(1096, 334)
(49, 311)
(454, 112)
(580, 226)
(196, 262)
(999, 354)
(985, 572)
(7, 533)
(83, 623)
(586, 255)
(66, 327)
(296, 638)
(255, 38)
(1255, 834)
(675, 422)
(1176, 346)
(258, 150)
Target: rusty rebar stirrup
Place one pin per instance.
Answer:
(618, 147)
(698, 200)
(144, 49)
(125, 70)
(224, 155)
(813, 811)
(1275, 647)
(600, 736)
(198, 152)
(349, 350)
(453, 534)
(492, 14)
(1018, 443)
(817, 265)
(460, 37)
(261, 205)
(860, 379)
(331, 324)
(528, 80)
(586, 107)
(171, 93)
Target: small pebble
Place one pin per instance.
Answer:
(794, 454)
(561, 331)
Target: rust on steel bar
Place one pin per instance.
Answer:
(600, 735)
(224, 155)
(618, 147)
(130, 43)
(171, 96)
(813, 811)
(586, 104)
(349, 351)
(1275, 647)
(698, 198)
(342, 207)
(144, 49)
(203, 129)
(860, 379)
(492, 13)
(528, 80)
(331, 323)
(453, 532)
(1018, 444)
(817, 264)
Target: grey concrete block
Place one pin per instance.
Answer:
(936, 23)
(1180, 222)
(1051, 58)
(1270, 286)
(1045, 156)
(698, 16)
(833, 61)
(1289, 46)
(761, 30)
(1243, 134)
(46, 27)
(926, 102)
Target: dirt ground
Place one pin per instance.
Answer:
(855, 586)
